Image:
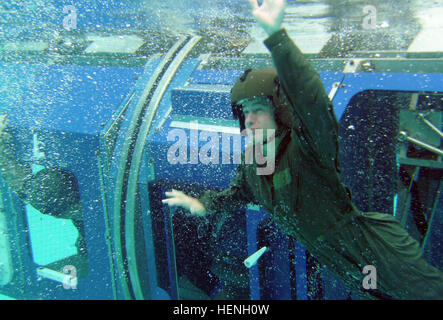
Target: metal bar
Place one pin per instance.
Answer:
(6, 266)
(146, 124)
(405, 205)
(430, 124)
(68, 281)
(334, 90)
(414, 101)
(170, 254)
(205, 127)
(107, 224)
(421, 162)
(431, 218)
(405, 136)
(122, 167)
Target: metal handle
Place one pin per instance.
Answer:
(404, 137)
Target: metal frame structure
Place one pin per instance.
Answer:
(122, 155)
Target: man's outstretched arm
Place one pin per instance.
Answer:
(301, 83)
(235, 197)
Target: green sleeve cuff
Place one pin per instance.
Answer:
(276, 39)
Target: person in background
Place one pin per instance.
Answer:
(52, 191)
(55, 192)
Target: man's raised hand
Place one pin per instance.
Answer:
(269, 15)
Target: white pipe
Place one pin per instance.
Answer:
(253, 258)
(430, 124)
(404, 136)
(67, 280)
(425, 145)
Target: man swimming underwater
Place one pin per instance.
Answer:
(304, 194)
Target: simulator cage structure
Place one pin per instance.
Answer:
(108, 120)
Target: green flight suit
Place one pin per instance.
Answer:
(306, 199)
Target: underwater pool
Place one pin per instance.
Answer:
(112, 103)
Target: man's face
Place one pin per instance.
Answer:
(259, 114)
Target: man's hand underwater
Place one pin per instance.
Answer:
(179, 199)
(269, 15)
